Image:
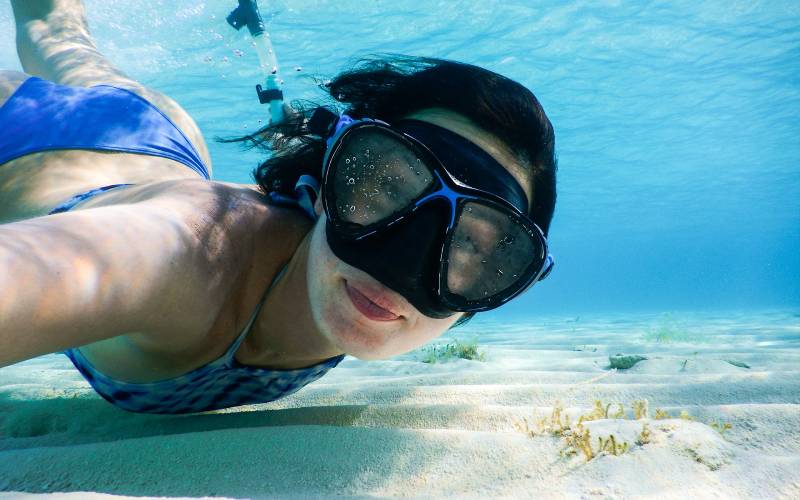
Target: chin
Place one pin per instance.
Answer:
(342, 323)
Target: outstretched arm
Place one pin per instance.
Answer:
(79, 277)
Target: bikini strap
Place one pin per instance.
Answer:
(236, 343)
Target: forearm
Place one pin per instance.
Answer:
(72, 279)
(34, 288)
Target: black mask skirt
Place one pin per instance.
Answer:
(406, 256)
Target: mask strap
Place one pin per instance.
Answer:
(307, 191)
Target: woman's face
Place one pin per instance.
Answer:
(329, 278)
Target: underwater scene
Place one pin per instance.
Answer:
(659, 359)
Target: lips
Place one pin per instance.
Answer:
(375, 306)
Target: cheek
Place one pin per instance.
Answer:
(323, 270)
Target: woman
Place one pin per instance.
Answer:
(172, 293)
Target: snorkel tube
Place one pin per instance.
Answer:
(247, 14)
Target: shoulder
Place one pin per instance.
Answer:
(211, 209)
(230, 205)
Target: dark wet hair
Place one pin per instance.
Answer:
(389, 87)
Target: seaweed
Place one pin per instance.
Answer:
(641, 409)
(452, 350)
(669, 329)
(599, 412)
(720, 427)
(661, 414)
(610, 444)
(577, 438)
(644, 436)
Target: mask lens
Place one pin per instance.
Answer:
(375, 175)
(490, 252)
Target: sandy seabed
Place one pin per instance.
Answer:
(402, 427)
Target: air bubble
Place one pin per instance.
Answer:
(347, 160)
(352, 208)
(350, 181)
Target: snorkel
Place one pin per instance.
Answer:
(247, 14)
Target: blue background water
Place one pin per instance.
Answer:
(677, 123)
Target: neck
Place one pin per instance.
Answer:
(284, 334)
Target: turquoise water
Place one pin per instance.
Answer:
(677, 123)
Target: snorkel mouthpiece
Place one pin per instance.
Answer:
(247, 14)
